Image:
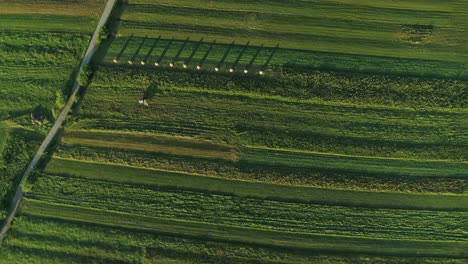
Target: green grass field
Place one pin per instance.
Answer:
(41, 44)
(352, 147)
(430, 32)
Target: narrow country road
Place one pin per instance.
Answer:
(58, 123)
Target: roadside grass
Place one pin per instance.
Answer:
(151, 177)
(4, 135)
(19, 146)
(38, 53)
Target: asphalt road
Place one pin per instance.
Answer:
(58, 122)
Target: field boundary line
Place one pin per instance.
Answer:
(14, 205)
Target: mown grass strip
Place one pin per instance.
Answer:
(373, 30)
(347, 163)
(153, 143)
(49, 23)
(251, 212)
(125, 174)
(250, 236)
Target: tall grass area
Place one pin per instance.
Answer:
(19, 147)
(35, 69)
(4, 134)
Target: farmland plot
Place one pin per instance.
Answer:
(41, 44)
(337, 152)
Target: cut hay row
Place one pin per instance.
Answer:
(380, 29)
(388, 167)
(158, 144)
(263, 173)
(242, 235)
(151, 177)
(314, 126)
(150, 247)
(249, 212)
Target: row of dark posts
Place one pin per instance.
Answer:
(194, 51)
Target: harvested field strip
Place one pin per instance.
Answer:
(125, 174)
(153, 143)
(297, 7)
(251, 236)
(389, 34)
(143, 126)
(36, 247)
(49, 23)
(382, 92)
(367, 165)
(316, 126)
(321, 60)
(319, 44)
(357, 122)
(288, 158)
(262, 172)
(51, 7)
(154, 248)
(251, 212)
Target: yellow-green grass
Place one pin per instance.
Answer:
(151, 177)
(252, 236)
(50, 7)
(153, 143)
(265, 173)
(366, 165)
